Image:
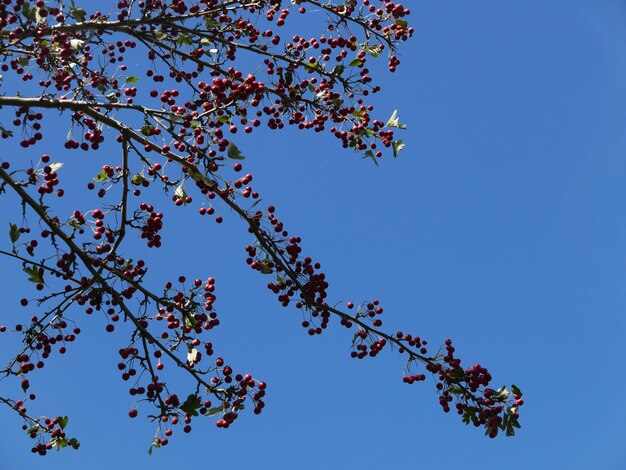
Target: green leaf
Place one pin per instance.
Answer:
(190, 321)
(74, 224)
(180, 192)
(516, 391)
(374, 50)
(58, 442)
(63, 420)
(155, 445)
(34, 428)
(160, 35)
(77, 44)
(209, 22)
(265, 269)
(394, 121)
(356, 63)
(184, 39)
(501, 393)
(78, 14)
(29, 12)
(194, 174)
(223, 119)
(147, 129)
(14, 233)
(192, 354)
(468, 414)
(457, 373)
(234, 153)
(370, 154)
(402, 24)
(398, 146)
(137, 179)
(56, 166)
(33, 274)
(192, 403)
(510, 431)
(132, 79)
(337, 70)
(102, 176)
(215, 410)
(23, 61)
(367, 132)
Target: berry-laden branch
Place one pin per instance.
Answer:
(215, 68)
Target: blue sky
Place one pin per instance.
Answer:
(501, 225)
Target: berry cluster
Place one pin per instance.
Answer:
(152, 225)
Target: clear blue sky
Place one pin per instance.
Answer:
(502, 225)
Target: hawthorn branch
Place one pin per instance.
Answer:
(274, 253)
(115, 124)
(57, 312)
(153, 375)
(46, 102)
(242, 213)
(124, 203)
(260, 237)
(33, 421)
(36, 264)
(161, 35)
(348, 18)
(89, 264)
